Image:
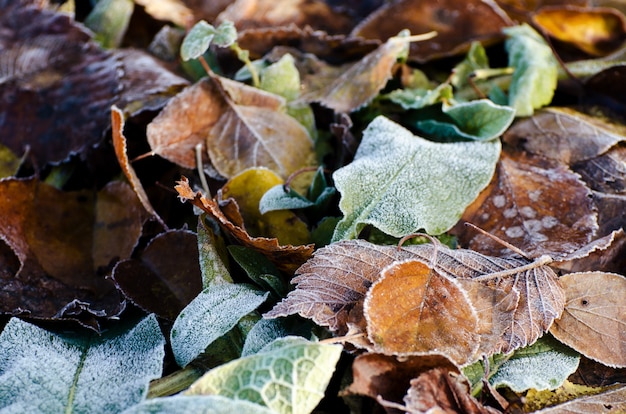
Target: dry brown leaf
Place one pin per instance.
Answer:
(534, 203)
(413, 309)
(287, 257)
(613, 401)
(594, 319)
(597, 31)
(443, 390)
(174, 11)
(605, 254)
(457, 23)
(119, 143)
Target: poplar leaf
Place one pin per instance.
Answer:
(401, 183)
(289, 375)
(536, 70)
(41, 371)
(209, 316)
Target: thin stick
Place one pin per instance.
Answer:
(499, 240)
(200, 167)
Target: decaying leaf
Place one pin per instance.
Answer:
(413, 309)
(534, 203)
(165, 277)
(286, 257)
(597, 31)
(612, 401)
(240, 126)
(119, 143)
(457, 25)
(401, 183)
(594, 319)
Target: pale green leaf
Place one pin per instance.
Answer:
(476, 58)
(109, 21)
(212, 314)
(288, 376)
(197, 40)
(45, 372)
(277, 199)
(544, 365)
(479, 120)
(401, 183)
(211, 404)
(536, 70)
(282, 78)
(9, 162)
(264, 332)
(420, 98)
(212, 265)
(226, 34)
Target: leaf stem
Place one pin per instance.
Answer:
(174, 383)
(200, 167)
(243, 55)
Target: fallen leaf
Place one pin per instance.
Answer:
(285, 257)
(175, 11)
(401, 183)
(535, 400)
(534, 203)
(247, 188)
(613, 401)
(413, 309)
(597, 31)
(166, 275)
(109, 20)
(119, 143)
(443, 390)
(214, 404)
(594, 320)
(456, 23)
(52, 71)
(9, 162)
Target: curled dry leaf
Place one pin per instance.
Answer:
(286, 258)
(165, 277)
(534, 203)
(51, 70)
(411, 308)
(515, 301)
(119, 143)
(594, 319)
(597, 31)
(240, 126)
(458, 24)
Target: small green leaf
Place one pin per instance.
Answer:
(544, 365)
(476, 58)
(282, 78)
(289, 375)
(277, 199)
(212, 265)
(479, 120)
(211, 404)
(536, 70)
(401, 183)
(226, 34)
(197, 40)
(9, 162)
(212, 314)
(109, 21)
(45, 372)
(420, 98)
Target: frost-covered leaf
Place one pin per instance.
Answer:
(225, 34)
(258, 267)
(282, 78)
(213, 256)
(109, 21)
(209, 316)
(543, 365)
(205, 404)
(536, 70)
(401, 183)
(276, 198)
(288, 376)
(476, 58)
(197, 40)
(45, 372)
(479, 120)
(594, 319)
(420, 98)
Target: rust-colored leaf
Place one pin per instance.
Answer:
(411, 308)
(534, 203)
(119, 143)
(457, 23)
(597, 31)
(165, 277)
(594, 320)
(57, 85)
(443, 390)
(286, 257)
(65, 244)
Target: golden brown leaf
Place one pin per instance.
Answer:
(285, 257)
(597, 31)
(413, 309)
(119, 143)
(594, 319)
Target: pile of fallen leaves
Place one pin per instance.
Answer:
(263, 206)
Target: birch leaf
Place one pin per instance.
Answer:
(288, 376)
(401, 183)
(45, 372)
